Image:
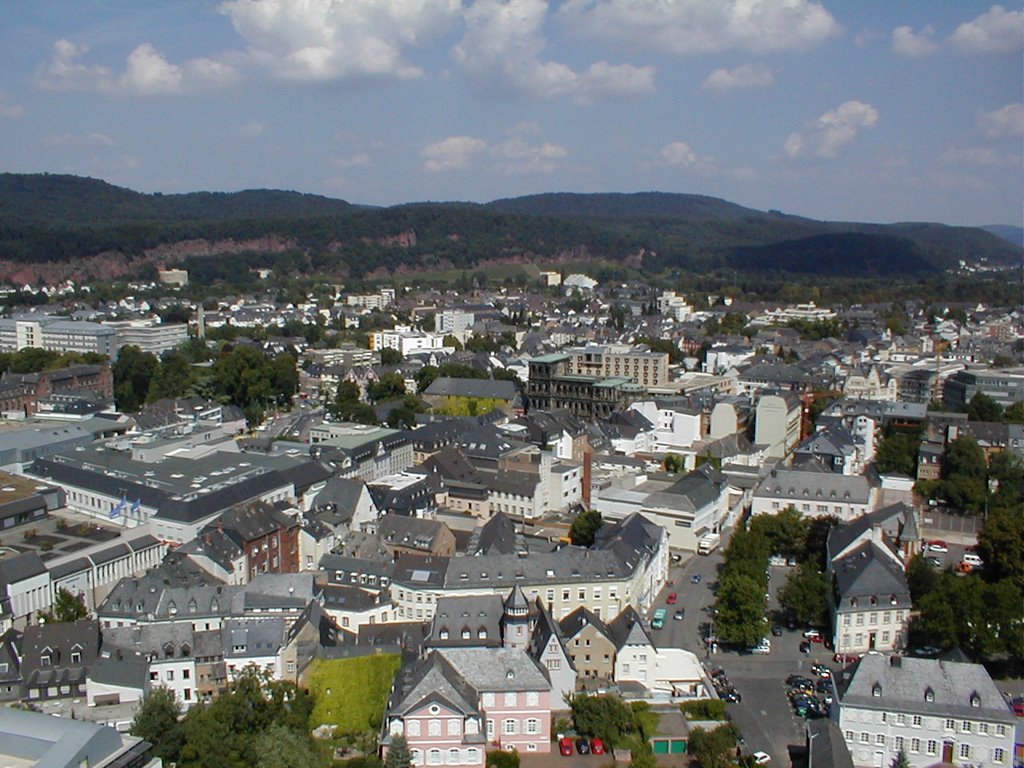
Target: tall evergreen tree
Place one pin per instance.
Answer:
(398, 755)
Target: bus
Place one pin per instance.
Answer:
(659, 618)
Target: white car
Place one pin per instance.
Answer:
(762, 758)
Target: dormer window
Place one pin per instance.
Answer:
(876, 690)
(444, 634)
(929, 694)
(975, 699)
(466, 634)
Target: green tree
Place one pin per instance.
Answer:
(390, 387)
(348, 392)
(157, 722)
(816, 543)
(1001, 545)
(67, 607)
(281, 747)
(172, 378)
(805, 595)
(585, 527)
(897, 451)
(900, 761)
(133, 372)
(1015, 413)
(425, 377)
(398, 755)
(675, 463)
(785, 531)
(605, 716)
(963, 474)
(714, 748)
(922, 578)
(984, 408)
(390, 356)
(500, 758)
(740, 603)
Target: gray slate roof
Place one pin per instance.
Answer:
(903, 682)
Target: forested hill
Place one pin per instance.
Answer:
(61, 200)
(56, 219)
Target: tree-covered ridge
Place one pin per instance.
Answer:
(46, 218)
(57, 198)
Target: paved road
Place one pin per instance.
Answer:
(764, 716)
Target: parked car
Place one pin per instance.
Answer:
(845, 658)
(761, 758)
(582, 746)
(776, 630)
(796, 679)
(732, 696)
(805, 646)
(672, 598)
(824, 685)
(821, 670)
(695, 579)
(678, 615)
(813, 635)
(565, 746)
(596, 747)
(934, 562)
(938, 546)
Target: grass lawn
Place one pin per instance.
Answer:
(352, 693)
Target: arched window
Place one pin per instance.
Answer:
(434, 757)
(453, 756)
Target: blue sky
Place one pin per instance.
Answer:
(872, 110)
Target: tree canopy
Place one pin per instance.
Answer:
(585, 527)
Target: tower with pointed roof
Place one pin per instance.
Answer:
(516, 620)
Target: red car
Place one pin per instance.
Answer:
(565, 746)
(596, 747)
(672, 599)
(846, 658)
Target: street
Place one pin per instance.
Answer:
(764, 716)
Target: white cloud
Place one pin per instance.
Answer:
(996, 31)
(679, 153)
(148, 72)
(832, 131)
(453, 153)
(914, 45)
(66, 73)
(8, 109)
(1005, 121)
(335, 39)
(500, 53)
(703, 26)
(516, 156)
(742, 77)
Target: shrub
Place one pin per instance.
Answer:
(704, 709)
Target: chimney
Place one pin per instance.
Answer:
(220, 526)
(588, 461)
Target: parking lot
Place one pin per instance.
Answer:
(764, 714)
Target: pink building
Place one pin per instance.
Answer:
(457, 703)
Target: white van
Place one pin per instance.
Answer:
(972, 559)
(764, 647)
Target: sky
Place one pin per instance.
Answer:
(863, 110)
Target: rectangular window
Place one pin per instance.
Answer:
(950, 724)
(915, 745)
(880, 739)
(865, 738)
(898, 744)
(917, 721)
(965, 750)
(983, 728)
(1000, 730)
(965, 726)
(998, 755)
(933, 746)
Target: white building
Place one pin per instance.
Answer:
(814, 494)
(933, 711)
(677, 427)
(406, 340)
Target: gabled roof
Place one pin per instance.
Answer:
(868, 572)
(629, 628)
(579, 620)
(445, 386)
(496, 536)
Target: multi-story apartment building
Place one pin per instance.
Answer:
(638, 364)
(150, 336)
(934, 712)
(57, 334)
(407, 340)
(628, 567)
(361, 450)
(551, 386)
(777, 423)
(1005, 386)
